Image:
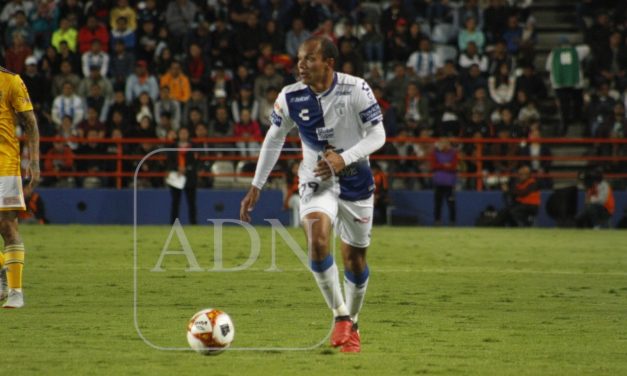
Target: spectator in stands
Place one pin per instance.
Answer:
(147, 41)
(95, 56)
(58, 159)
(196, 67)
(223, 46)
(471, 56)
(65, 33)
(177, 83)
(184, 163)
(92, 31)
(37, 84)
(165, 104)
(499, 56)
(122, 9)
(66, 54)
(381, 194)
(470, 8)
(197, 101)
(221, 125)
(501, 86)
(20, 26)
(513, 35)
(522, 197)
(180, 16)
(97, 100)
(68, 104)
(269, 78)
(598, 35)
(91, 166)
(121, 64)
(396, 87)
(531, 82)
(248, 128)
(424, 63)
(526, 113)
(479, 103)
(443, 162)
(440, 12)
(145, 127)
(118, 104)
(538, 152)
(166, 128)
(243, 76)
(245, 101)
(447, 79)
(390, 114)
(495, 19)
(141, 82)
(249, 37)
(416, 109)
(143, 106)
(73, 11)
(194, 117)
(13, 6)
(397, 46)
(497, 171)
(295, 36)
(372, 43)
(16, 55)
(448, 119)
(470, 32)
(274, 36)
(566, 73)
(95, 78)
(91, 122)
(43, 22)
(600, 111)
(123, 33)
(163, 61)
(599, 202)
(611, 63)
(348, 54)
(473, 80)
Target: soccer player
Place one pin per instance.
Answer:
(14, 104)
(340, 125)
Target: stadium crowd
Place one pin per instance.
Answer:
(122, 68)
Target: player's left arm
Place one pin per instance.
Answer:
(21, 104)
(371, 121)
(29, 122)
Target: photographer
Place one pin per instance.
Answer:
(599, 205)
(522, 200)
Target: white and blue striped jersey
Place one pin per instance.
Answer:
(338, 119)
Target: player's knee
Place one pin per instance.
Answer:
(8, 230)
(319, 245)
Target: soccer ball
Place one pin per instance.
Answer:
(210, 331)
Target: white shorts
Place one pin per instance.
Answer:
(352, 219)
(11, 195)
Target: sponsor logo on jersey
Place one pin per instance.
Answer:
(324, 134)
(300, 99)
(275, 118)
(343, 92)
(371, 113)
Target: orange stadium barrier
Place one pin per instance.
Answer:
(479, 158)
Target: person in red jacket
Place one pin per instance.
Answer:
(93, 30)
(250, 129)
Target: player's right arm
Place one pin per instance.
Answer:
(21, 104)
(280, 125)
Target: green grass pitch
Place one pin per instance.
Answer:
(440, 301)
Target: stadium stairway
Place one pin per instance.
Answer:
(554, 19)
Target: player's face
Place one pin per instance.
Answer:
(312, 67)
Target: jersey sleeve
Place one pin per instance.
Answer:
(280, 115)
(367, 106)
(19, 98)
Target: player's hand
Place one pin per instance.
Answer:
(248, 203)
(32, 171)
(330, 160)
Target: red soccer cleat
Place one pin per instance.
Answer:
(353, 345)
(341, 330)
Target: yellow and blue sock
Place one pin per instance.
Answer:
(14, 261)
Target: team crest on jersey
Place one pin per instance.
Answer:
(324, 134)
(340, 109)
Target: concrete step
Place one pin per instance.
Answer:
(551, 39)
(550, 16)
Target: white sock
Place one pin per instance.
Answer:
(326, 274)
(355, 286)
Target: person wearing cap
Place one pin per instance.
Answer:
(397, 42)
(141, 81)
(95, 56)
(37, 84)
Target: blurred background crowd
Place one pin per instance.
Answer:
(522, 69)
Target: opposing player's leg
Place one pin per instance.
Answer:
(317, 214)
(355, 225)
(13, 258)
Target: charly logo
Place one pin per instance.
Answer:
(340, 109)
